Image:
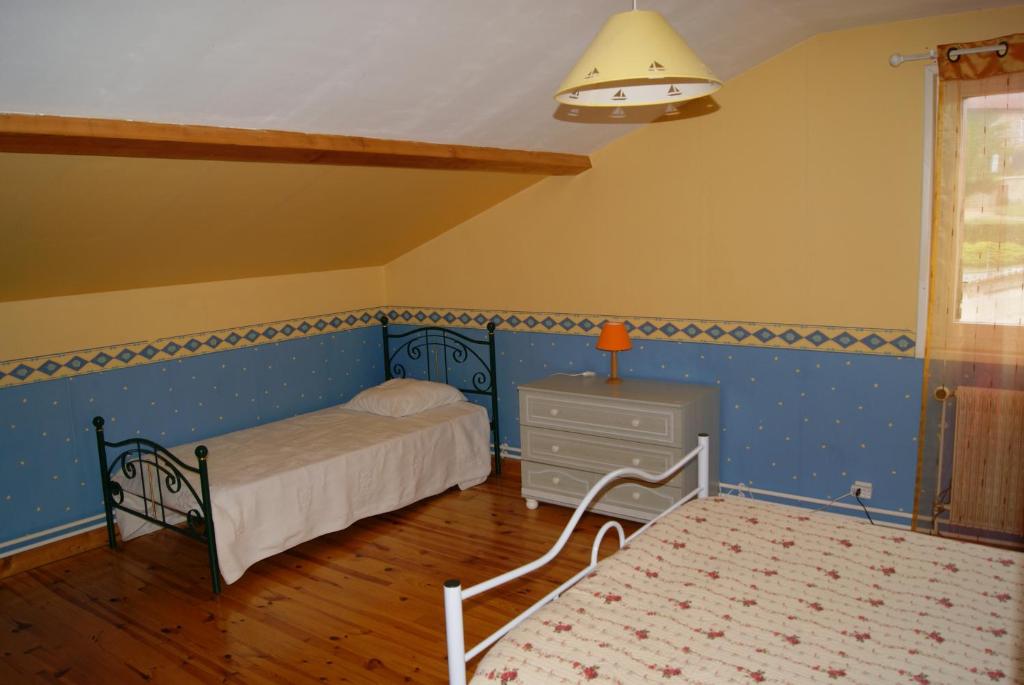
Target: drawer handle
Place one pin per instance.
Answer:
(636, 461)
(636, 495)
(635, 423)
(555, 480)
(554, 412)
(555, 448)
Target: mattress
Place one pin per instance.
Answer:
(731, 590)
(280, 484)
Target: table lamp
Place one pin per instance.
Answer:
(614, 338)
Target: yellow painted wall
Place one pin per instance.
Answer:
(797, 200)
(80, 224)
(61, 324)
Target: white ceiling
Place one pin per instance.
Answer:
(475, 72)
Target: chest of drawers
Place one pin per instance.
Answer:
(574, 429)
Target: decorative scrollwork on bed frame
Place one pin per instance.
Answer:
(440, 351)
(146, 471)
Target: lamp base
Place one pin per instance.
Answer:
(613, 377)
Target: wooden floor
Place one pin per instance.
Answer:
(359, 606)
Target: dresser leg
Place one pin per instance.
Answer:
(531, 503)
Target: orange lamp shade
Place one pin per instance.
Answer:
(614, 337)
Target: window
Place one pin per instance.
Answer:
(991, 255)
(976, 293)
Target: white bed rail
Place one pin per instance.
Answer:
(454, 595)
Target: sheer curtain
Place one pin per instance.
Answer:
(971, 462)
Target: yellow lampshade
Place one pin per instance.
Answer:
(636, 59)
(614, 337)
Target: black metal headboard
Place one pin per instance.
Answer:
(437, 349)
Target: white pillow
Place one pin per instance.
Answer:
(403, 397)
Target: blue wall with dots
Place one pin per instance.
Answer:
(49, 477)
(793, 421)
(799, 422)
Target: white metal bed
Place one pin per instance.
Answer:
(736, 590)
(455, 595)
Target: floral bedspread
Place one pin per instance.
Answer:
(732, 590)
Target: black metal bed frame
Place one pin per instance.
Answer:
(139, 456)
(453, 346)
(167, 469)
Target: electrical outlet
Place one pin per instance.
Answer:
(864, 487)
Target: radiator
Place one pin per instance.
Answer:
(987, 490)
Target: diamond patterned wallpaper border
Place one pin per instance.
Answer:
(891, 342)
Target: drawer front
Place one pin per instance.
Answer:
(564, 484)
(640, 421)
(591, 453)
(640, 498)
(556, 480)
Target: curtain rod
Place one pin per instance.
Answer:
(897, 58)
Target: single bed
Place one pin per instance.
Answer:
(732, 590)
(259, 491)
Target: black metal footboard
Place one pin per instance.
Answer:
(148, 472)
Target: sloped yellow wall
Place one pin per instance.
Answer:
(61, 324)
(798, 201)
(80, 224)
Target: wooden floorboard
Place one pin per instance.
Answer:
(359, 606)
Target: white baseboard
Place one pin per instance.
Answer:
(744, 489)
(9, 547)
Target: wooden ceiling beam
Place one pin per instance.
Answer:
(57, 135)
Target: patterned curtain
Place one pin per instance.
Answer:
(971, 461)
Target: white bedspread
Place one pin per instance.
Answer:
(283, 483)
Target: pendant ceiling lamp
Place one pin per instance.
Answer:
(637, 59)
